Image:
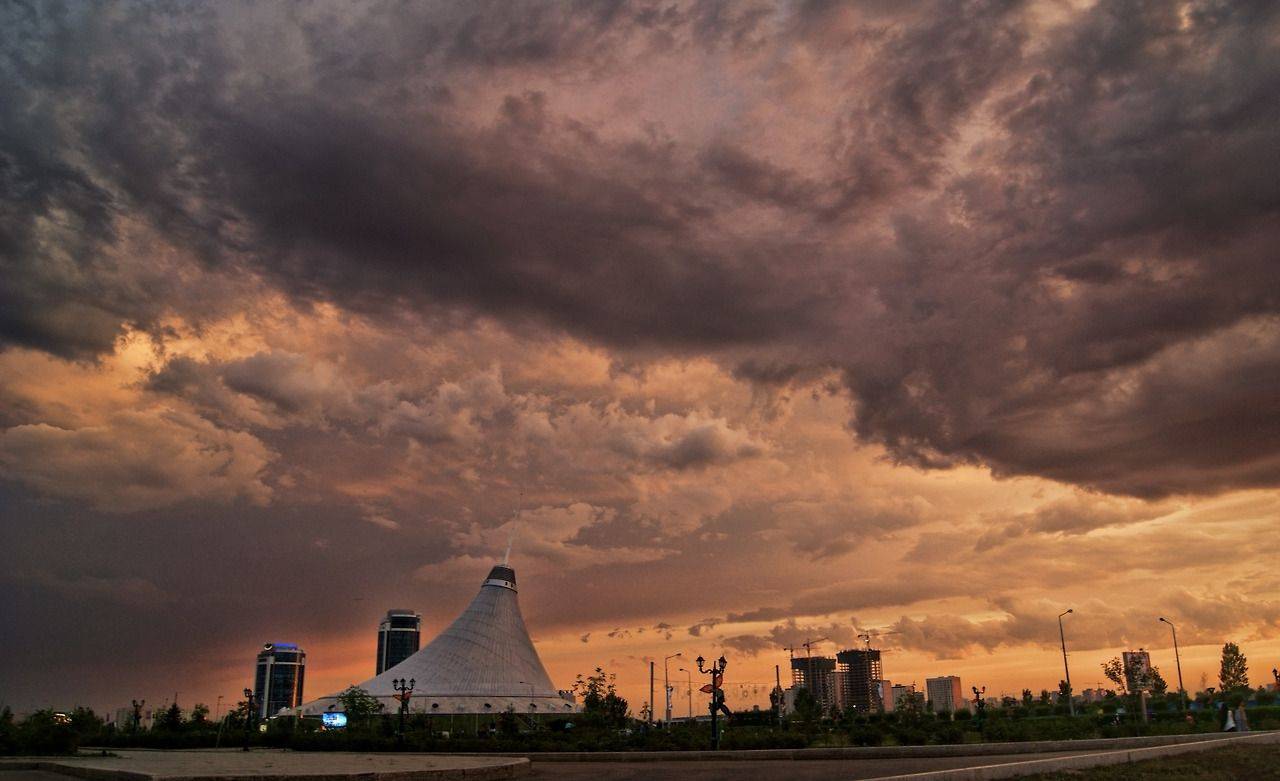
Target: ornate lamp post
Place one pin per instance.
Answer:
(1071, 704)
(404, 692)
(980, 703)
(716, 671)
(1177, 657)
(250, 713)
(137, 714)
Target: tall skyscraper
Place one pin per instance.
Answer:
(858, 670)
(278, 683)
(399, 633)
(945, 694)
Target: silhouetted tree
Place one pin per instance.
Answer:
(600, 701)
(1234, 672)
(358, 704)
(169, 719)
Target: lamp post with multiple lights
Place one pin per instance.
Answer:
(666, 686)
(250, 711)
(137, 714)
(1071, 704)
(404, 690)
(716, 671)
(1177, 658)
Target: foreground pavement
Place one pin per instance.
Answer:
(923, 763)
(268, 765)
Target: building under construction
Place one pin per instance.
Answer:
(818, 675)
(859, 673)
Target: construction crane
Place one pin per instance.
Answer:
(866, 636)
(809, 681)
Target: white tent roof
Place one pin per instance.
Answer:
(484, 662)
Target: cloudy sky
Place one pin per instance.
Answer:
(742, 324)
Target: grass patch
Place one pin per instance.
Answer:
(1223, 764)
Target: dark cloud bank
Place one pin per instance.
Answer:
(1085, 290)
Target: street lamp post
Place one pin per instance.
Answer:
(250, 711)
(404, 690)
(979, 703)
(689, 691)
(137, 714)
(666, 687)
(716, 671)
(1071, 704)
(1177, 658)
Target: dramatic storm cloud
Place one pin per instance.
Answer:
(756, 319)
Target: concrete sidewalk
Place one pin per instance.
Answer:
(275, 765)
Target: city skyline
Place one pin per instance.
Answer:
(733, 325)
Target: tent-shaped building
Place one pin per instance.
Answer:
(484, 662)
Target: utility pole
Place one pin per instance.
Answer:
(652, 703)
(1071, 703)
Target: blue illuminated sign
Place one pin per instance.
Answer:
(333, 720)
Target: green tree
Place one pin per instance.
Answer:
(1234, 672)
(358, 704)
(1027, 699)
(86, 723)
(1113, 668)
(600, 701)
(808, 712)
(199, 715)
(1064, 691)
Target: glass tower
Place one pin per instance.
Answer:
(278, 683)
(398, 637)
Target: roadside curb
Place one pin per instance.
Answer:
(877, 752)
(1082, 761)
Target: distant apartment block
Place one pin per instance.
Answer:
(1137, 670)
(946, 695)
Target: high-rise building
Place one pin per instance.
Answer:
(859, 669)
(398, 637)
(945, 694)
(278, 683)
(1137, 670)
(818, 675)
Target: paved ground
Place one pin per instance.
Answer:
(768, 770)
(265, 764)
